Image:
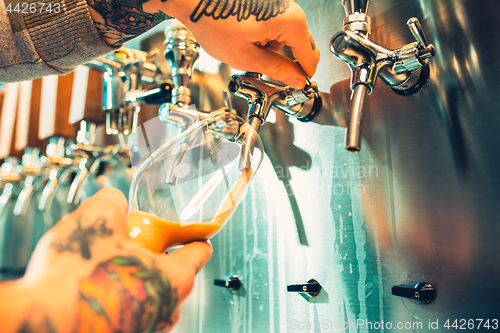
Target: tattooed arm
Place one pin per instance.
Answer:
(86, 276)
(242, 33)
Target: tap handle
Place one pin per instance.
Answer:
(160, 95)
(425, 50)
(422, 292)
(417, 31)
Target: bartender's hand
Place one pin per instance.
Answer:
(244, 34)
(87, 276)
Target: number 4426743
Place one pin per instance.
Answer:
(32, 8)
(471, 324)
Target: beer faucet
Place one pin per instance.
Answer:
(9, 177)
(124, 73)
(181, 52)
(261, 96)
(89, 156)
(59, 166)
(31, 172)
(405, 70)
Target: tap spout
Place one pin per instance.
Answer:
(353, 137)
(86, 167)
(5, 197)
(24, 197)
(249, 144)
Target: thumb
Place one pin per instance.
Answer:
(192, 256)
(182, 265)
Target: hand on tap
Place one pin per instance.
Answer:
(85, 275)
(246, 34)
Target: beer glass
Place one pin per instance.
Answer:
(188, 189)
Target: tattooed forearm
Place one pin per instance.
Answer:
(221, 9)
(82, 237)
(126, 294)
(124, 19)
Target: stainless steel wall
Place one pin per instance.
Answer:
(419, 203)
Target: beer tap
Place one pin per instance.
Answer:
(181, 52)
(261, 96)
(9, 177)
(27, 140)
(405, 70)
(54, 126)
(86, 115)
(58, 166)
(124, 73)
(31, 172)
(10, 170)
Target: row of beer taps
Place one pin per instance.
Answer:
(124, 72)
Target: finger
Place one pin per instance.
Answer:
(183, 264)
(274, 65)
(300, 40)
(272, 46)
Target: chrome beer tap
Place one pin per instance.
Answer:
(88, 157)
(124, 72)
(261, 96)
(181, 52)
(9, 178)
(58, 166)
(405, 70)
(32, 172)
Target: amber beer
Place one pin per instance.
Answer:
(158, 234)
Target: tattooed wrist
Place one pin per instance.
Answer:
(124, 19)
(262, 10)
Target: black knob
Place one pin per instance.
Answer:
(422, 292)
(312, 288)
(160, 95)
(233, 283)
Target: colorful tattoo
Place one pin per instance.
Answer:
(37, 322)
(221, 9)
(82, 237)
(124, 19)
(126, 294)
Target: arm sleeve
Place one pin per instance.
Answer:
(46, 42)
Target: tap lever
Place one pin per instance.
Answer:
(426, 50)
(417, 31)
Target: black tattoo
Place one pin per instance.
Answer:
(313, 44)
(124, 19)
(221, 9)
(82, 237)
(38, 322)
